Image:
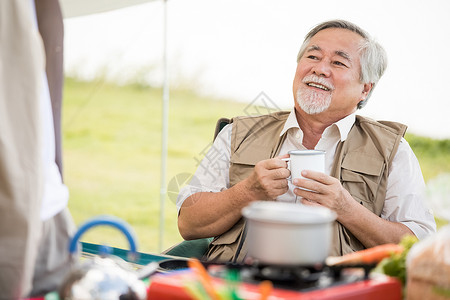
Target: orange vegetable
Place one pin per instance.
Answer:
(204, 277)
(265, 288)
(367, 256)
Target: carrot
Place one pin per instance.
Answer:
(367, 256)
(204, 277)
(265, 288)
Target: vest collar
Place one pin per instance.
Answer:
(344, 125)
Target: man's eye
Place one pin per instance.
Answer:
(340, 64)
(312, 57)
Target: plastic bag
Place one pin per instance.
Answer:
(428, 267)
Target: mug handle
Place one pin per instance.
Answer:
(288, 160)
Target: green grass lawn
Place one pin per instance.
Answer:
(112, 154)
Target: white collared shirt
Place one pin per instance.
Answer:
(405, 187)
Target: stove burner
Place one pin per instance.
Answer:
(298, 276)
(301, 278)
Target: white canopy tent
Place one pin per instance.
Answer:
(76, 8)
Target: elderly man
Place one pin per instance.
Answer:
(372, 180)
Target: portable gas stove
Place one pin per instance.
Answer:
(296, 282)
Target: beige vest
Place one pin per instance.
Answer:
(361, 163)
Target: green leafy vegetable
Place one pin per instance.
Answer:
(395, 265)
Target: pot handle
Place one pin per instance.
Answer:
(105, 220)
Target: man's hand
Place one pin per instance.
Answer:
(326, 191)
(367, 227)
(268, 179)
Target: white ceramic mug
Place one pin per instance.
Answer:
(300, 160)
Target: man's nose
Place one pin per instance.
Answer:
(322, 68)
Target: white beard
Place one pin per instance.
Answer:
(312, 102)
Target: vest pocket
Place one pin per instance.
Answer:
(361, 176)
(240, 172)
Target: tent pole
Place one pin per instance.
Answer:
(165, 125)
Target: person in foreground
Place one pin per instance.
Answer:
(373, 180)
(35, 223)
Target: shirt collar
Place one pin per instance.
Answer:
(343, 125)
(291, 122)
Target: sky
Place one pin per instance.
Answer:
(240, 48)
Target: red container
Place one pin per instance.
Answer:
(171, 286)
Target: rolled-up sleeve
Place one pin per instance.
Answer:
(212, 174)
(405, 196)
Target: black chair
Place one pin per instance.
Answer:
(221, 123)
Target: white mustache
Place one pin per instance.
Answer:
(319, 80)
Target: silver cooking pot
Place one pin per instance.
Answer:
(282, 233)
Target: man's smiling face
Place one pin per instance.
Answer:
(327, 78)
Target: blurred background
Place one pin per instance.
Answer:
(224, 58)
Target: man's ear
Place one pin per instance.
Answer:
(366, 90)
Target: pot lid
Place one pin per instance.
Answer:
(287, 213)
